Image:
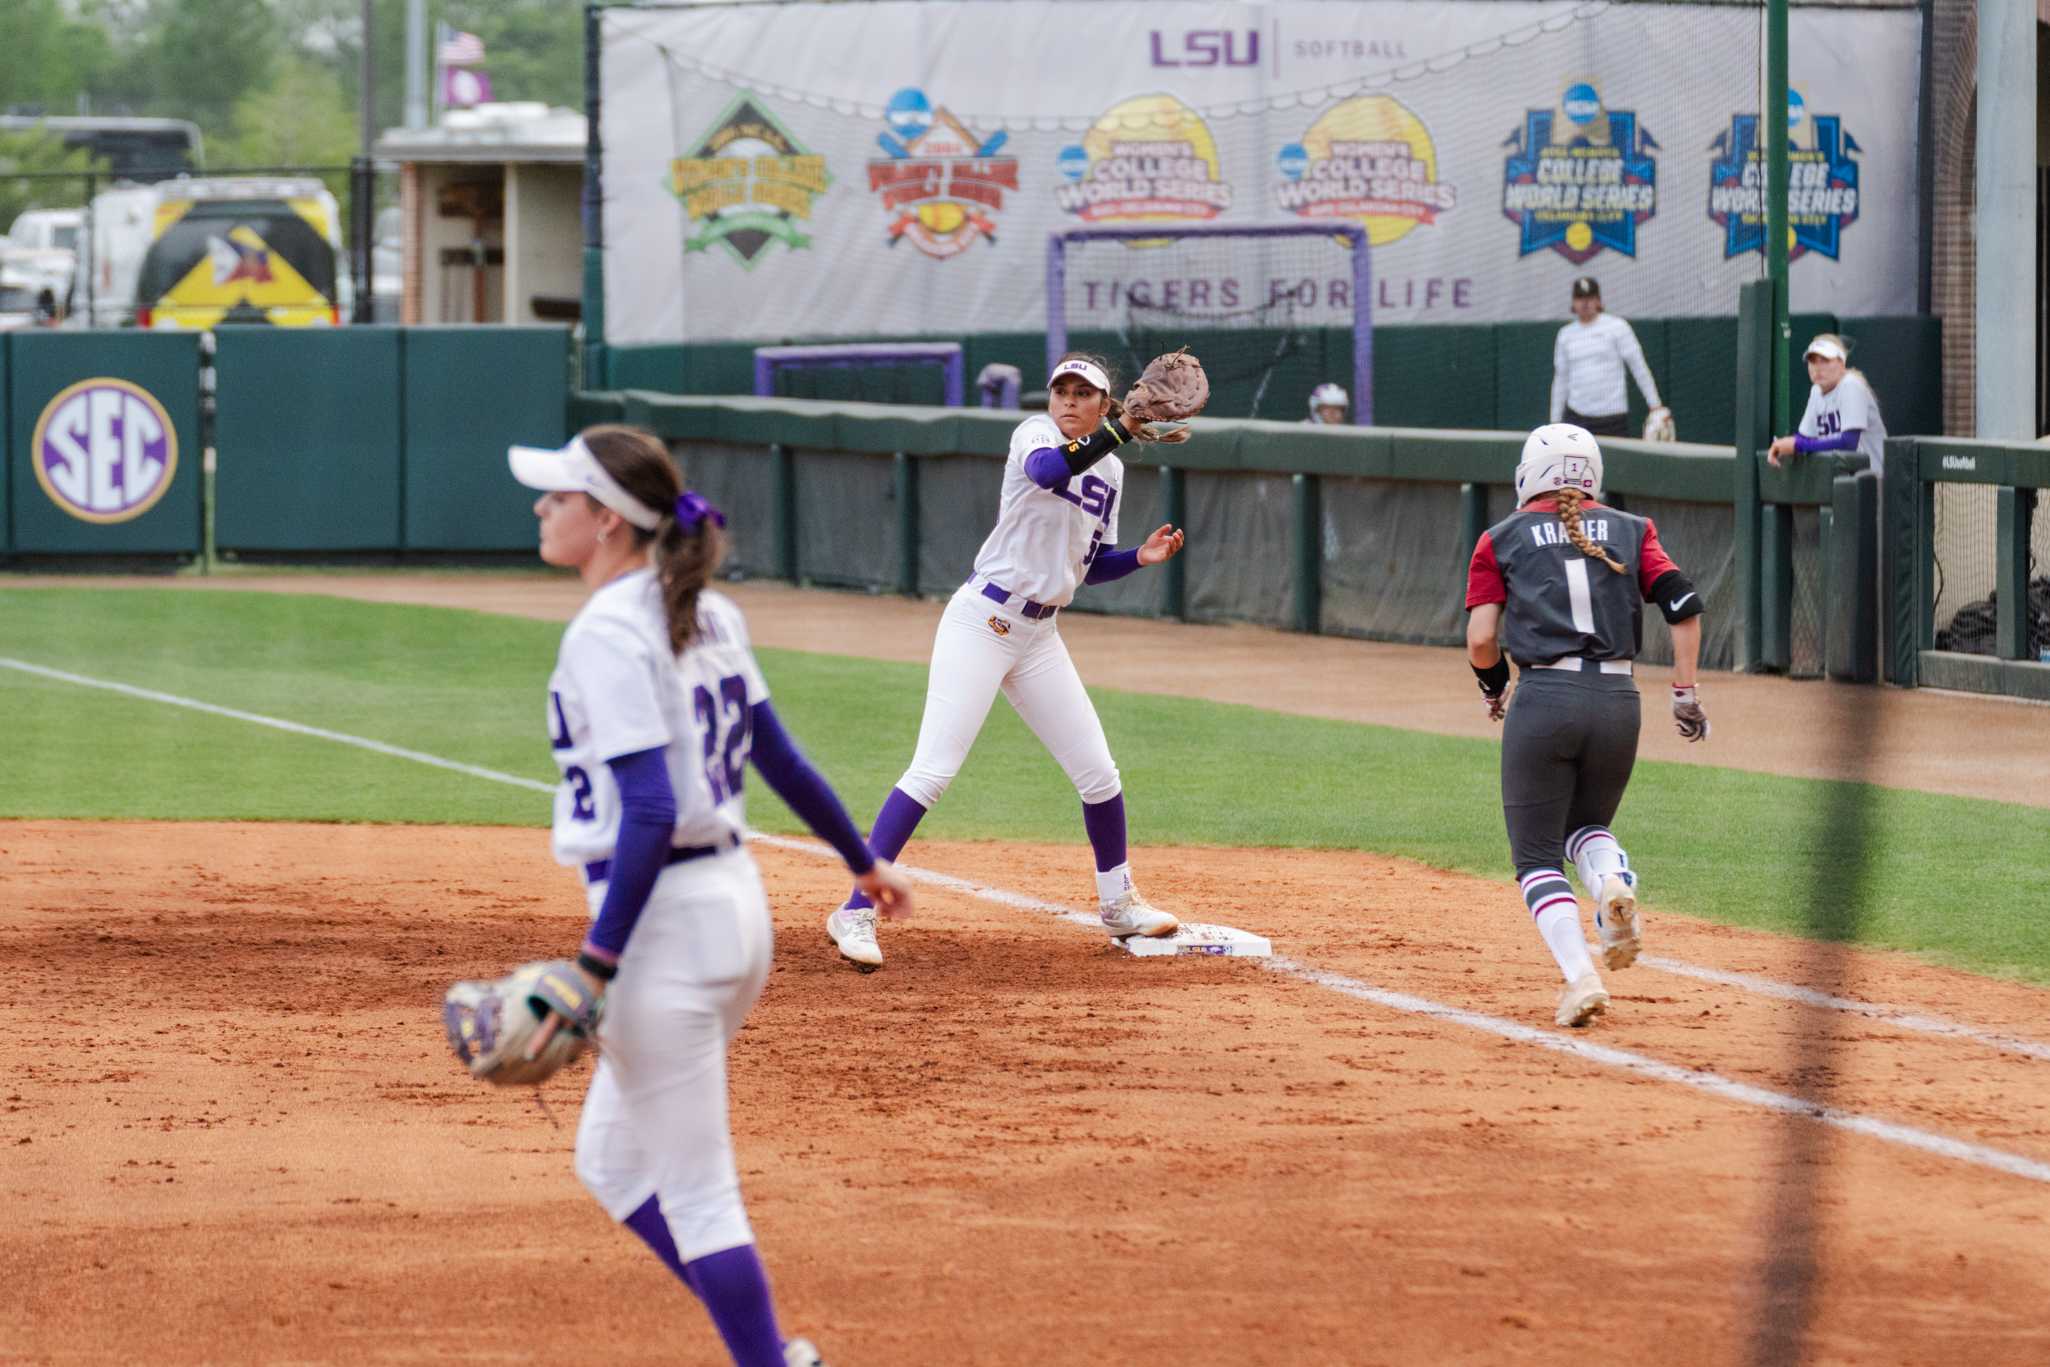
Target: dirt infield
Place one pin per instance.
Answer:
(232, 1132)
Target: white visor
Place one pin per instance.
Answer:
(1087, 370)
(1827, 348)
(574, 469)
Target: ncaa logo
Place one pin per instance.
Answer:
(104, 450)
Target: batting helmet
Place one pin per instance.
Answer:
(1327, 396)
(1559, 455)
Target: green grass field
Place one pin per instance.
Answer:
(465, 686)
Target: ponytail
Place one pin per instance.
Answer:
(688, 545)
(685, 560)
(1569, 513)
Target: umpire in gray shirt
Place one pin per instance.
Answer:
(1588, 361)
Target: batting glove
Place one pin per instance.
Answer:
(1687, 714)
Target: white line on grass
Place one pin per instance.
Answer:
(255, 719)
(1886, 1015)
(1716, 1085)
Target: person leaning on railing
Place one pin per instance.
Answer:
(1843, 412)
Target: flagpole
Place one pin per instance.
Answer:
(441, 31)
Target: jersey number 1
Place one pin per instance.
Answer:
(725, 722)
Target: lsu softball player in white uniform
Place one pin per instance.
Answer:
(1057, 528)
(1842, 413)
(655, 709)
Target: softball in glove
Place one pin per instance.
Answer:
(492, 1024)
(1173, 388)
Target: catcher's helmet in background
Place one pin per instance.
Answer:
(1327, 396)
(1559, 455)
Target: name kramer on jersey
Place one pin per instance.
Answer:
(1553, 533)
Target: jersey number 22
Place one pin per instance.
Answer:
(725, 722)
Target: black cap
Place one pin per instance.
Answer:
(1586, 288)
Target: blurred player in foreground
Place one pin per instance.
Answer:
(655, 709)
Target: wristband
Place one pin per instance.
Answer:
(1494, 678)
(598, 968)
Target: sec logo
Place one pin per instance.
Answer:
(104, 450)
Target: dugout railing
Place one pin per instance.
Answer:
(1344, 531)
(1966, 541)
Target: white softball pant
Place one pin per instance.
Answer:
(973, 657)
(654, 1122)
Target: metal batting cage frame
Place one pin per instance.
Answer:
(1352, 234)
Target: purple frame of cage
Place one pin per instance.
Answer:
(1362, 286)
(946, 355)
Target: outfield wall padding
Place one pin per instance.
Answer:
(308, 459)
(468, 393)
(42, 365)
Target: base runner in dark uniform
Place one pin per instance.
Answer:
(1562, 581)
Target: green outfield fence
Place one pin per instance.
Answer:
(384, 441)
(1344, 531)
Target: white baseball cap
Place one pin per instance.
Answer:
(574, 469)
(1088, 370)
(1827, 347)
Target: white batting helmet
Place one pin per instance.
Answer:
(1327, 396)
(1559, 455)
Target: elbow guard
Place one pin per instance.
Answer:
(1086, 451)
(1676, 597)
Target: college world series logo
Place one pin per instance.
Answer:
(1579, 179)
(941, 185)
(1371, 159)
(1822, 183)
(1148, 159)
(748, 185)
(104, 450)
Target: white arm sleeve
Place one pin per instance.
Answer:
(1628, 347)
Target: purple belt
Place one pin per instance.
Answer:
(598, 870)
(997, 593)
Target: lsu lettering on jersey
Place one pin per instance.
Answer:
(1849, 406)
(618, 689)
(1557, 601)
(1045, 538)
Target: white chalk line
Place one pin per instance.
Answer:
(1885, 1015)
(1908, 1136)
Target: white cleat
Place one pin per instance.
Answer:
(1615, 916)
(800, 1353)
(854, 930)
(1583, 1000)
(1132, 914)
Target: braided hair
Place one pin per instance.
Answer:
(685, 558)
(1569, 513)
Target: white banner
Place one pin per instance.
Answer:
(861, 170)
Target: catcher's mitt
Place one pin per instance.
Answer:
(1658, 425)
(491, 1024)
(1174, 387)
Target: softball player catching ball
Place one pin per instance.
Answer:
(1057, 529)
(655, 709)
(1562, 580)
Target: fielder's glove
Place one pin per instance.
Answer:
(1687, 714)
(491, 1025)
(1173, 388)
(1658, 424)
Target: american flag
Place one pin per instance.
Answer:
(462, 49)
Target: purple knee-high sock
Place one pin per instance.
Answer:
(735, 1290)
(894, 824)
(1105, 822)
(647, 1222)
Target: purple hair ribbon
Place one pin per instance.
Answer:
(692, 508)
